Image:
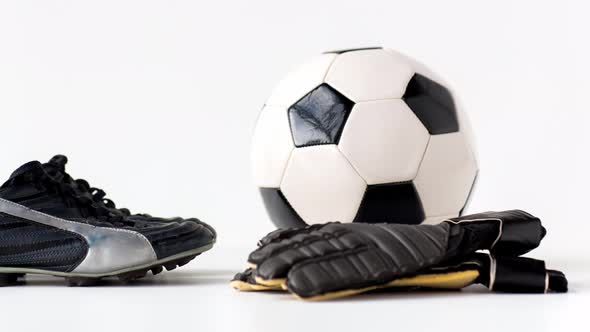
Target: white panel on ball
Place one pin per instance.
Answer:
(465, 127)
(438, 219)
(419, 67)
(321, 185)
(369, 75)
(271, 147)
(384, 141)
(301, 81)
(446, 175)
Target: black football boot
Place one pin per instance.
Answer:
(49, 226)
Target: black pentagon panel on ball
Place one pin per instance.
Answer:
(391, 203)
(280, 211)
(433, 104)
(319, 117)
(354, 50)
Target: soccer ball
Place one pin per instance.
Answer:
(363, 135)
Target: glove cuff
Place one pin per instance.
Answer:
(519, 235)
(511, 233)
(521, 275)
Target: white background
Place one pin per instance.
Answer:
(155, 102)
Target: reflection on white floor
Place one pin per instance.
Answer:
(198, 297)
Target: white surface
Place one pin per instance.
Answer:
(197, 297)
(155, 102)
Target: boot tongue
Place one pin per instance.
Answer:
(30, 166)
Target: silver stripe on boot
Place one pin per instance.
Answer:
(110, 249)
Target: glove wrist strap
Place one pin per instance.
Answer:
(518, 275)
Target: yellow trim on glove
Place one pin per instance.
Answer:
(243, 286)
(453, 280)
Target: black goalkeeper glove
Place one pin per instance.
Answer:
(335, 260)
(503, 274)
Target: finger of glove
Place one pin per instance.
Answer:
(246, 276)
(285, 233)
(349, 272)
(245, 281)
(366, 269)
(400, 243)
(277, 262)
(390, 251)
(259, 255)
(293, 238)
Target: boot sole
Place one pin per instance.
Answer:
(11, 275)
